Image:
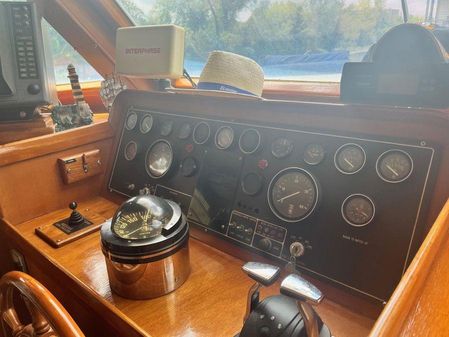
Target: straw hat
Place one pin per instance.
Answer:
(232, 73)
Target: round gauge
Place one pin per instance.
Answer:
(185, 131)
(130, 151)
(292, 194)
(249, 141)
(358, 210)
(314, 154)
(131, 121)
(188, 166)
(146, 124)
(201, 133)
(350, 158)
(252, 183)
(394, 166)
(166, 128)
(159, 158)
(224, 137)
(281, 147)
(137, 225)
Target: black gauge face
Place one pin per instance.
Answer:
(350, 158)
(130, 151)
(188, 166)
(131, 121)
(146, 124)
(185, 131)
(314, 154)
(249, 141)
(293, 194)
(159, 159)
(281, 147)
(224, 137)
(394, 166)
(137, 225)
(201, 133)
(358, 210)
(166, 128)
(252, 183)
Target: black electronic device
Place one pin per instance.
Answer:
(267, 187)
(406, 67)
(26, 75)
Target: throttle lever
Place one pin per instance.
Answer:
(265, 275)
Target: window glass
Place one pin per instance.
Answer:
(290, 39)
(64, 54)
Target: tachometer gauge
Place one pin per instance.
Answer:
(292, 194)
(350, 158)
(314, 154)
(185, 131)
(394, 166)
(201, 133)
(249, 141)
(131, 121)
(281, 147)
(130, 151)
(166, 128)
(224, 137)
(146, 124)
(358, 210)
(159, 159)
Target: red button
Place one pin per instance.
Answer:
(189, 148)
(263, 164)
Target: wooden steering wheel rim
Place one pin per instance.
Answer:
(46, 305)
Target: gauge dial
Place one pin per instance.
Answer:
(188, 167)
(137, 225)
(252, 183)
(131, 121)
(358, 210)
(292, 194)
(350, 158)
(224, 137)
(314, 154)
(185, 131)
(166, 128)
(159, 159)
(146, 124)
(394, 166)
(201, 133)
(249, 141)
(281, 147)
(130, 151)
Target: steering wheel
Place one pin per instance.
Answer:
(48, 316)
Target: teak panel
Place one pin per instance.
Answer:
(210, 303)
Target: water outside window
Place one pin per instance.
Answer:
(290, 39)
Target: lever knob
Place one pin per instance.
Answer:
(300, 289)
(75, 218)
(263, 273)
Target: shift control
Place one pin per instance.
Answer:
(264, 274)
(76, 218)
(306, 295)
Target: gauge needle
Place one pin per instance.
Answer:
(392, 170)
(127, 235)
(364, 214)
(289, 196)
(349, 163)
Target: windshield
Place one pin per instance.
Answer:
(291, 40)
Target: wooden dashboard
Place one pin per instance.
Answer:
(212, 301)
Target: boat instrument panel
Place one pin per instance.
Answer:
(339, 198)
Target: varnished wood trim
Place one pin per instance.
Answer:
(400, 312)
(39, 146)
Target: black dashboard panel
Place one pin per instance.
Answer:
(354, 204)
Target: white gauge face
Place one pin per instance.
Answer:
(166, 128)
(185, 131)
(350, 158)
(130, 151)
(358, 210)
(224, 137)
(201, 133)
(131, 121)
(292, 194)
(394, 166)
(159, 159)
(314, 154)
(146, 124)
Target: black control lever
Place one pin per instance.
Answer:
(76, 218)
(264, 275)
(306, 295)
